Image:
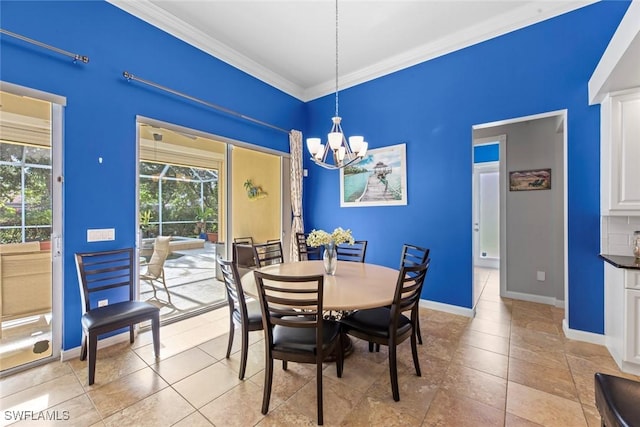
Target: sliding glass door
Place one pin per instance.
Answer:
(30, 211)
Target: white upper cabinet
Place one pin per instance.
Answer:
(615, 84)
(620, 154)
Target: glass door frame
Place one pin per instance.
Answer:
(57, 124)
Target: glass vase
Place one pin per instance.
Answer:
(330, 259)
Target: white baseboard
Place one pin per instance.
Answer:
(448, 308)
(73, 353)
(578, 335)
(535, 298)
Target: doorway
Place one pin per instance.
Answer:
(533, 222)
(30, 225)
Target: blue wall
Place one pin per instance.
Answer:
(432, 107)
(100, 118)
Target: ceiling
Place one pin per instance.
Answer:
(290, 44)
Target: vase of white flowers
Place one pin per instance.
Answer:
(330, 241)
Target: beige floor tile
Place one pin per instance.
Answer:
(287, 415)
(164, 408)
(485, 341)
(536, 340)
(112, 363)
(286, 383)
(32, 377)
(338, 400)
(537, 324)
(255, 360)
(217, 347)
(483, 360)
(194, 420)
(450, 409)
(476, 385)
(183, 364)
(207, 384)
(494, 316)
(592, 415)
(543, 408)
(549, 358)
(44, 395)
(126, 391)
(551, 380)
(490, 327)
(240, 406)
(78, 411)
(511, 420)
(372, 412)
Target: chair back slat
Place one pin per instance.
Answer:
(408, 288)
(103, 271)
(233, 286)
(413, 255)
(268, 253)
(353, 253)
(292, 301)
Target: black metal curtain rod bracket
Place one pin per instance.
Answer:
(127, 75)
(76, 57)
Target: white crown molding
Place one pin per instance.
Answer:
(528, 14)
(168, 23)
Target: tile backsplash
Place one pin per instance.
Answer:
(617, 234)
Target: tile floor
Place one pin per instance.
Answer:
(509, 366)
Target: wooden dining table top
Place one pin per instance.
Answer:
(354, 286)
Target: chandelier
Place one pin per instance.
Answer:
(336, 148)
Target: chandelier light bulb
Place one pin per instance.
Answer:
(355, 142)
(335, 140)
(313, 145)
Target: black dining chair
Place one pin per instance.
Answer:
(353, 253)
(295, 330)
(246, 314)
(414, 255)
(387, 325)
(306, 252)
(243, 240)
(268, 253)
(105, 275)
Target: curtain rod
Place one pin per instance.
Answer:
(75, 56)
(130, 77)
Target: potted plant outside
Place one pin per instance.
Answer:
(203, 214)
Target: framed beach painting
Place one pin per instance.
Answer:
(380, 179)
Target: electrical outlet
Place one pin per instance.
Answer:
(540, 276)
(103, 302)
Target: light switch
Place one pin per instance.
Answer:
(101, 234)
(541, 276)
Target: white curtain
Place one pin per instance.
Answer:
(297, 226)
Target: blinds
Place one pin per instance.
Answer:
(161, 152)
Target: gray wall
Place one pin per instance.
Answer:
(534, 219)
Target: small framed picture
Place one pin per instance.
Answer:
(535, 179)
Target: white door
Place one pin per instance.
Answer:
(486, 214)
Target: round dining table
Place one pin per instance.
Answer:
(354, 286)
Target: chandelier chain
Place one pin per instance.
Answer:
(337, 59)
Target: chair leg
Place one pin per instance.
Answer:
(92, 354)
(131, 334)
(339, 350)
(284, 365)
(319, 391)
(370, 347)
(165, 287)
(418, 330)
(243, 351)
(268, 379)
(232, 329)
(414, 351)
(83, 348)
(393, 371)
(155, 330)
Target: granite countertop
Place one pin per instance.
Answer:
(621, 261)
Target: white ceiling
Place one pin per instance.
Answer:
(290, 44)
